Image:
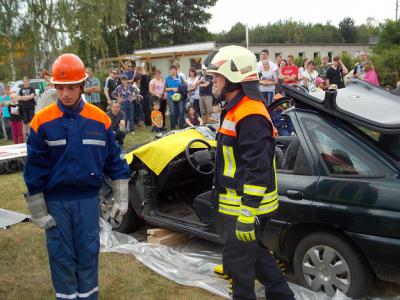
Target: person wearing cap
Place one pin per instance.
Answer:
(71, 144)
(245, 175)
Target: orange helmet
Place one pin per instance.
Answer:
(68, 69)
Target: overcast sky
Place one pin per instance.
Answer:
(253, 12)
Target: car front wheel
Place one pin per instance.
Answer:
(325, 262)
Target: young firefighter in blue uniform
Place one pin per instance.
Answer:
(71, 144)
(245, 177)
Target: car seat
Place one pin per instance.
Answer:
(295, 159)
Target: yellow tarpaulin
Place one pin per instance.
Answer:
(157, 154)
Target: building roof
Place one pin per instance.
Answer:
(195, 47)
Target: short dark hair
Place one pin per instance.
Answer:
(173, 67)
(156, 103)
(291, 56)
(265, 51)
(336, 58)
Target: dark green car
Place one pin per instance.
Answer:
(338, 222)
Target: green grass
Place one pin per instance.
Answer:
(24, 269)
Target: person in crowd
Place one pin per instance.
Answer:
(359, 71)
(205, 94)
(215, 115)
(289, 74)
(70, 148)
(157, 118)
(46, 84)
(128, 71)
(335, 74)
(320, 84)
(178, 71)
(193, 90)
(268, 81)
(264, 56)
(124, 94)
(192, 119)
(175, 101)
(278, 59)
(157, 93)
(282, 122)
(324, 66)
(16, 124)
(138, 101)
(5, 100)
(310, 75)
(117, 122)
(143, 86)
(109, 86)
(302, 69)
(370, 74)
(92, 88)
(27, 101)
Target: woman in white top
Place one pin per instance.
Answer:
(268, 80)
(309, 76)
(193, 90)
(302, 69)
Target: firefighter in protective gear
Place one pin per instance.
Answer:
(71, 144)
(245, 177)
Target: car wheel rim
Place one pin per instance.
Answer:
(324, 269)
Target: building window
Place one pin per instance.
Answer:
(301, 54)
(316, 54)
(330, 55)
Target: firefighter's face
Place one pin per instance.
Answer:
(219, 83)
(68, 94)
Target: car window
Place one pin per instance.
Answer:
(340, 154)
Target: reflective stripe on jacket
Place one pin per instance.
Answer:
(245, 167)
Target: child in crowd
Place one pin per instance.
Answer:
(192, 118)
(16, 120)
(215, 115)
(157, 118)
(320, 84)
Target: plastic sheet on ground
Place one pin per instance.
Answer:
(190, 264)
(8, 218)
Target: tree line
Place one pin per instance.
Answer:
(34, 32)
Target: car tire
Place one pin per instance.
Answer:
(129, 222)
(324, 261)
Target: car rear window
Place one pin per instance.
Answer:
(341, 155)
(390, 143)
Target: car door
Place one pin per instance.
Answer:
(297, 182)
(355, 186)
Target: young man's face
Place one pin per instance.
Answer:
(264, 56)
(173, 71)
(290, 61)
(68, 94)
(115, 108)
(26, 83)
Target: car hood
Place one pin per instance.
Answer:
(157, 154)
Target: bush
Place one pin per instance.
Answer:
(387, 65)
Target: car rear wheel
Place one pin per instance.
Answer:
(325, 262)
(125, 224)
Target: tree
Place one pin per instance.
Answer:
(348, 30)
(9, 21)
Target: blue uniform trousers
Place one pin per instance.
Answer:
(73, 248)
(246, 261)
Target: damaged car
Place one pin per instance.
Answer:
(338, 222)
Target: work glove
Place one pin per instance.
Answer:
(120, 189)
(245, 231)
(38, 209)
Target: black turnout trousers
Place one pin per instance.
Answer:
(246, 261)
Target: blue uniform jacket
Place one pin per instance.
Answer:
(69, 150)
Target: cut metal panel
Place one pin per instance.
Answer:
(8, 217)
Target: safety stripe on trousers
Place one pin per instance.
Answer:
(80, 295)
(229, 161)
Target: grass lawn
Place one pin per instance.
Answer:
(24, 270)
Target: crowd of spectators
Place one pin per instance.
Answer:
(133, 97)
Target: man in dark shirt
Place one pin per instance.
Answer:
(109, 87)
(117, 122)
(128, 72)
(144, 91)
(335, 74)
(27, 102)
(206, 95)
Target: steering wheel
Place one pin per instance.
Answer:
(202, 158)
